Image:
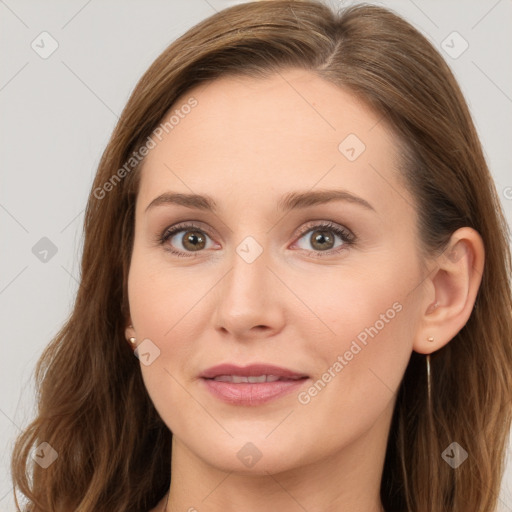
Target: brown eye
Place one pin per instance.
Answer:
(193, 240)
(322, 239)
(182, 240)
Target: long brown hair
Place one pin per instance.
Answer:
(93, 409)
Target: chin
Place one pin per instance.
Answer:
(251, 455)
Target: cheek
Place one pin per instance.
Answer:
(167, 307)
(367, 335)
(162, 311)
(349, 304)
(162, 298)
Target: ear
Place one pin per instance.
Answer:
(453, 284)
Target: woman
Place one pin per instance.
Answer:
(295, 231)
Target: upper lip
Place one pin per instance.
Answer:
(252, 370)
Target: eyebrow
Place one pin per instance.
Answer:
(290, 201)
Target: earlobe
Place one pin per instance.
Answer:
(129, 333)
(453, 286)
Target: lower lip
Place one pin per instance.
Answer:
(247, 393)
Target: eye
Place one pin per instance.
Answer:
(322, 238)
(193, 239)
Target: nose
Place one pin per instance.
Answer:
(250, 299)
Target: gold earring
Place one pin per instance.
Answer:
(430, 338)
(132, 340)
(429, 385)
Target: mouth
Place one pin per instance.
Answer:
(253, 379)
(251, 385)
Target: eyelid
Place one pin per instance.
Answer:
(325, 224)
(190, 225)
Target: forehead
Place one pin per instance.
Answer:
(293, 130)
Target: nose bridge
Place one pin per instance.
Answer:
(248, 279)
(247, 297)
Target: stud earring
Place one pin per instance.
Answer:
(132, 340)
(430, 338)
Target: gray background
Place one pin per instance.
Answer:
(57, 114)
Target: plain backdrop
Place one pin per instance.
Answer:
(58, 111)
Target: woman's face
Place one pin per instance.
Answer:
(261, 280)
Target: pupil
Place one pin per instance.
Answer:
(322, 238)
(194, 240)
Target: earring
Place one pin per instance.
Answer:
(132, 340)
(429, 384)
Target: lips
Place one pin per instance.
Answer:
(253, 370)
(238, 379)
(251, 385)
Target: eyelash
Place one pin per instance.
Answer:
(347, 237)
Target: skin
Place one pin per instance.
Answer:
(247, 143)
